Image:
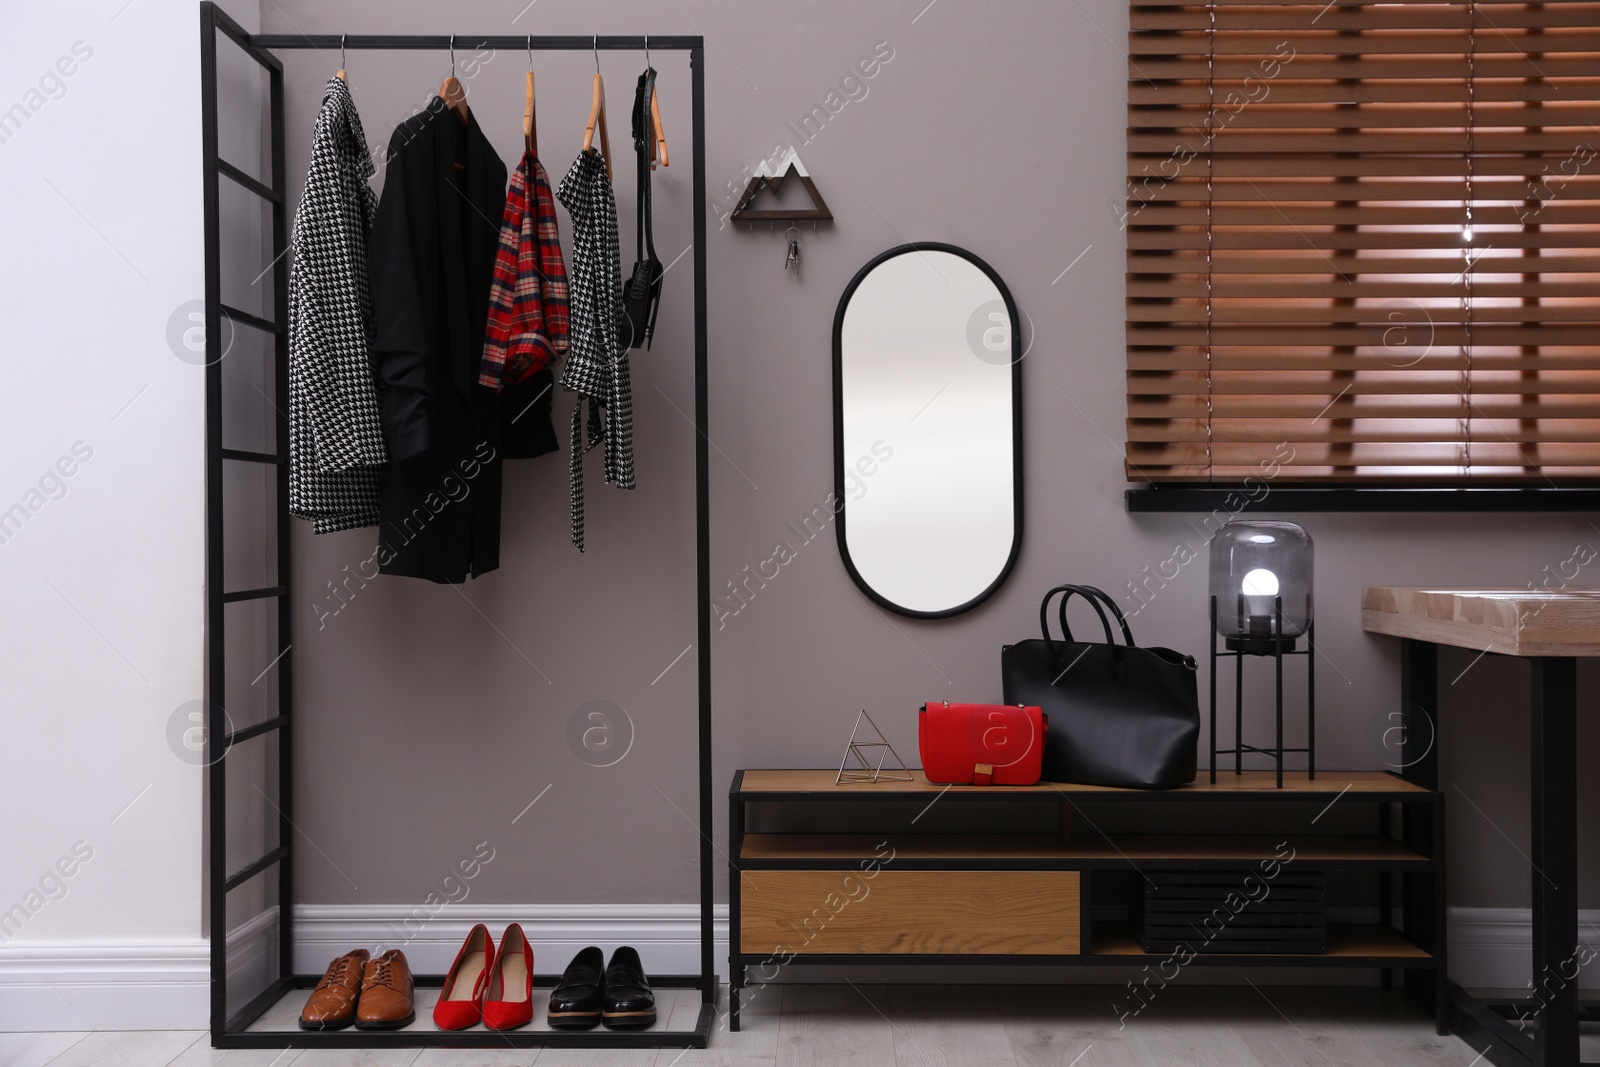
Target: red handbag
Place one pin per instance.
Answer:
(981, 744)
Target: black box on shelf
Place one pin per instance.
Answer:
(1234, 911)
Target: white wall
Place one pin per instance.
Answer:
(103, 581)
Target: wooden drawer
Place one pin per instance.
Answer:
(1024, 913)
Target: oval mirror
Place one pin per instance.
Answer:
(927, 430)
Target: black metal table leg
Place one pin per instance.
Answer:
(1419, 698)
(736, 973)
(1386, 890)
(1555, 858)
(1441, 927)
(1311, 692)
(1423, 919)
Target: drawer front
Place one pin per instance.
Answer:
(1024, 913)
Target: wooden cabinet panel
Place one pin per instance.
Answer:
(910, 912)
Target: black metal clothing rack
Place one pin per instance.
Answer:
(233, 1030)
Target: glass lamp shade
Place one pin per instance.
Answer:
(1254, 561)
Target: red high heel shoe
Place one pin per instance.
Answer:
(508, 1002)
(459, 1004)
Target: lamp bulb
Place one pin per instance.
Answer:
(1260, 582)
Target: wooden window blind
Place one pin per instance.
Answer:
(1363, 242)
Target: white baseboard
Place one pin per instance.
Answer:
(666, 935)
(253, 953)
(1490, 947)
(164, 984)
(126, 985)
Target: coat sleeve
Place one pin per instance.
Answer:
(399, 346)
(553, 294)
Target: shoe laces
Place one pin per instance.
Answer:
(338, 973)
(380, 971)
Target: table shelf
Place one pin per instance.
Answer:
(1081, 851)
(1351, 945)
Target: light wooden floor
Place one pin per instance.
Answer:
(913, 1026)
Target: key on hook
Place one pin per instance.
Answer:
(792, 262)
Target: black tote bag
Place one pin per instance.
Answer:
(1119, 715)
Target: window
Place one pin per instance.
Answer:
(1363, 243)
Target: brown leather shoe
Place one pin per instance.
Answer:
(387, 993)
(332, 1004)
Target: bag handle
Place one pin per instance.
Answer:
(1094, 593)
(644, 235)
(1087, 592)
(1119, 659)
(1105, 625)
(1066, 632)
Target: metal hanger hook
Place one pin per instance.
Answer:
(452, 55)
(530, 51)
(595, 47)
(647, 62)
(342, 64)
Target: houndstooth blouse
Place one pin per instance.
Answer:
(335, 444)
(597, 361)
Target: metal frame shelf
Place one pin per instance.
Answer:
(233, 1030)
(1414, 946)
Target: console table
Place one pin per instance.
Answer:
(1550, 630)
(870, 880)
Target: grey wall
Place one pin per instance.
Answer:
(434, 715)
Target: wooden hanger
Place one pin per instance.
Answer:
(530, 135)
(658, 145)
(597, 115)
(660, 148)
(451, 91)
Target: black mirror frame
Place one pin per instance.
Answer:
(838, 430)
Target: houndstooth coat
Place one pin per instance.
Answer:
(336, 450)
(597, 359)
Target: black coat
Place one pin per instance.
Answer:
(430, 261)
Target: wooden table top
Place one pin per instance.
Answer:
(1512, 622)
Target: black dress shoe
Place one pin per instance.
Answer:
(630, 1003)
(578, 999)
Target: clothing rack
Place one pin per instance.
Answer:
(235, 1029)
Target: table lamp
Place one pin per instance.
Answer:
(1261, 605)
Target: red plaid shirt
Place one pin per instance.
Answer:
(528, 320)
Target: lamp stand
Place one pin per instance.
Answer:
(1276, 645)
